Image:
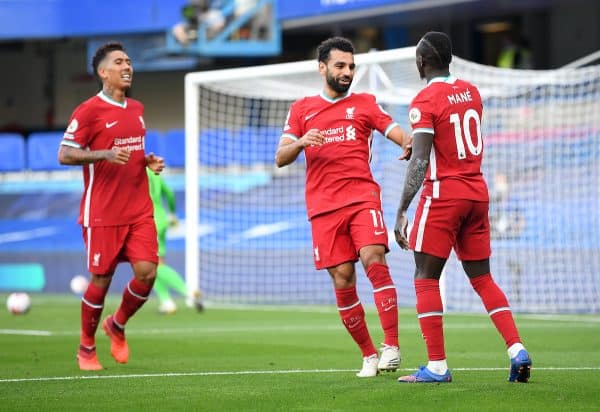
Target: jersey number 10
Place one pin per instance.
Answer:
(463, 127)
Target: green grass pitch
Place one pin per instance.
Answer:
(284, 359)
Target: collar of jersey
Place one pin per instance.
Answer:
(442, 79)
(111, 101)
(337, 99)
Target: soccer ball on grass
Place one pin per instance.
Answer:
(18, 303)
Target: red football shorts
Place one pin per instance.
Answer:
(339, 235)
(441, 225)
(108, 245)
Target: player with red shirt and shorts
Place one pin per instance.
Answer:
(453, 208)
(343, 202)
(106, 135)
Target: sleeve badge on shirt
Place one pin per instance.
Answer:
(414, 115)
(72, 126)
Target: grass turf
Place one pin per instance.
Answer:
(285, 358)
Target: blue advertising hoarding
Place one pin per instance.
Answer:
(289, 10)
(31, 19)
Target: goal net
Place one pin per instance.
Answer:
(247, 235)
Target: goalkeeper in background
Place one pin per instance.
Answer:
(166, 277)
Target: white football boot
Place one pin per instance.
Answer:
(369, 367)
(389, 359)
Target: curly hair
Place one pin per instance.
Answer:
(337, 43)
(102, 52)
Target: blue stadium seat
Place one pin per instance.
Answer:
(256, 145)
(42, 151)
(268, 141)
(154, 142)
(218, 147)
(174, 148)
(245, 144)
(12, 152)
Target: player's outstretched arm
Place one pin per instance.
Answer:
(73, 156)
(289, 149)
(415, 173)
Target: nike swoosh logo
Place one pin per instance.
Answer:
(310, 116)
(109, 125)
(377, 233)
(388, 308)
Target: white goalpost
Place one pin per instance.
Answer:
(247, 236)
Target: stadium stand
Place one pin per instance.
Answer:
(174, 148)
(154, 142)
(12, 151)
(42, 148)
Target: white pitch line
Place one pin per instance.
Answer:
(25, 332)
(258, 372)
(269, 328)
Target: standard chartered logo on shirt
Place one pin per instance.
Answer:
(131, 143)
(339, 134)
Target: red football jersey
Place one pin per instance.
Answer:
(338, 172)
(451, 110)
(113, 194)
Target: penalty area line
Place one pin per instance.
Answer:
(258, 372)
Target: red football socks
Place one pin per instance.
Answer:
(496, 304)
(92, 304)
(134, 296)
(353, 317)
(429, 312)
(384, 294)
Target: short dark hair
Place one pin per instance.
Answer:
(102, 52)
(337, 43)
(436, 49)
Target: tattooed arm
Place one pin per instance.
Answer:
(68, 155)
(415, 173)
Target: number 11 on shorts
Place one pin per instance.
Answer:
(377, 221)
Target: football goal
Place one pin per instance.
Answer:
(247, 236)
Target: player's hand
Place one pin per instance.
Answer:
(312, 138)
(155, 163)
(406, 153)
(173, 220)
(407, 147)
(400, 229)
(118, 155)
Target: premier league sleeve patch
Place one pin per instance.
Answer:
(72, 126)
(414, 115)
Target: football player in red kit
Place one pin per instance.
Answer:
(453, 209)
(106, 136)
(343, 201)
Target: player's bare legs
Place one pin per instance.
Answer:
(384, 294)
(92, 304)
(353, 315)
(135, 295)
(496, 304)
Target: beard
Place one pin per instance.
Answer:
(336, 85)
